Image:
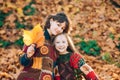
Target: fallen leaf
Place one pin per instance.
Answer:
(20, 12)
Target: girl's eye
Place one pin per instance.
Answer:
(57, 42)
(63, 41)
(58, 24)
(63, 28)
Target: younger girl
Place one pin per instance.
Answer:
(68, 62)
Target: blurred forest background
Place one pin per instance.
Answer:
(95, 30)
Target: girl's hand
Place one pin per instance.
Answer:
(86, 69)
(31, 50)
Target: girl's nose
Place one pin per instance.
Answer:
(59, 30)
(60, 45)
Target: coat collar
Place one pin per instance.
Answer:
(47, 35)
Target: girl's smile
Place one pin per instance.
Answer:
(61, 44)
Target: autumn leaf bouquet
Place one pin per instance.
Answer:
(34, 36)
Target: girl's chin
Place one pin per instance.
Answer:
(62, 53)
(54, 33)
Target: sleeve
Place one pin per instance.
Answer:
(24, 60)
(56, 72)
(57, 75)
(57, 78)
(76, 60)
(91, 76)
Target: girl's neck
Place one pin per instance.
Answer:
(63, 53)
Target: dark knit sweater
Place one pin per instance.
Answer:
(40, 66)
(65, 70)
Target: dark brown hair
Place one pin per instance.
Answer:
(59, 17)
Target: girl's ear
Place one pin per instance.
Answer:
(51, 21)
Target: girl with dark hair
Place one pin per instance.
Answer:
(38, 61)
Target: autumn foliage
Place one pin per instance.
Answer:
(95, 25)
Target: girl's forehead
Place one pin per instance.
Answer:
(62, 23)
(61, 37)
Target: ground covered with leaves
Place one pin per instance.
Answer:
(95, 30)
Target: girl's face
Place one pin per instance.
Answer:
(56, 27)
(61, 44)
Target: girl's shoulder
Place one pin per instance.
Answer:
(74, 54)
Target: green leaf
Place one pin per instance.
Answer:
(119, 38)
(92, 43)
(28, 10)
(77, 36)
(19, 42)
(19, 25)
(32, 2)
(111, 36)
(90, 47)
(1, 23)
(4, 15)
(2, 18)
(87, 50)
(4, 44)
(117, 64)
(97, 48)
(107, 57)
(95, 53)
(118, 46)
(83, 44)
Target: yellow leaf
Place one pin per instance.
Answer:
(10, 5)
(117, 35)
(37, 29)
(112, 30)
(27, 37)
(20, 11)
(40, 42)
(28, 0)
(36, 36)
(39, 35)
